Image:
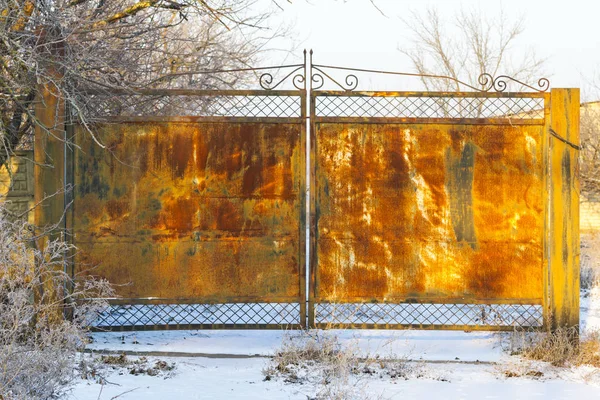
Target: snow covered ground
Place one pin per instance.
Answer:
(229, 364)
(205, 378)
(417, 345)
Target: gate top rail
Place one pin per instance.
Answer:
(308, 75)
(189, 92)
(486, 99)
(391, 93)
(487, 83)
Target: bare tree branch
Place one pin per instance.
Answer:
(122, 44)
(474, 45)
(590, 153)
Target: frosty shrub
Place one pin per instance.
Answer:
(332, 370)
(319, 360)
(37, 342)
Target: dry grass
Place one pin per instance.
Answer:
(138, 366)
(562, 348)
(530, 373)
(318, 359)
(97, 369)
(335, 370)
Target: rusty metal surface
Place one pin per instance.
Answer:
(206, 211)
(418, 211)
(418, 201)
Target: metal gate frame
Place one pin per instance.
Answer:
(556, 111)
(265, 107)
(430, 313)
(560, 116)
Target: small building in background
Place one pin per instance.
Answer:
(16, 185)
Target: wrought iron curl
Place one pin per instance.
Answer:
(351, 82)
(486, 81)
(299, 81)
(266, 79)
(112, 79)
(544, 84)
(317, 81)
(500, 83)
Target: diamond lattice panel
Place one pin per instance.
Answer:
(430, 107)
(201, 314)
(200, 106)
(430, 314)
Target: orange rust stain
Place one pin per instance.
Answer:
(181, 154)
(505, 268)
(179, 215)
(116, 208)
(388, 214)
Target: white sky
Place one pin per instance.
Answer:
(355, 34)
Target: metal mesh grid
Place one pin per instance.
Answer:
(430, 107)
(218, 105)
(144, 315)
(430, 314)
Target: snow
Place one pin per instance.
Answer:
(418, 345)
(589, 306)
(228, 364)
(204, 378)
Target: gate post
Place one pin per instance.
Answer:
(563, 217)
(49, 169)
(49, 144)
(49, 155)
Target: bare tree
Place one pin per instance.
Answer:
(473, 45)
(68, 45)
(590, 150)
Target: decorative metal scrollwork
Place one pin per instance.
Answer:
(500, 83)
(298, 80)
(351, 80)
(486, 81)
(317, 81)
(320, 75)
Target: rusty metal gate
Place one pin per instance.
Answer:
(197, 220)
(427, 210)
(436, 210)
(424, 217)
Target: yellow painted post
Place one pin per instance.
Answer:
(49, 168)
(563, 224)
(49, 148)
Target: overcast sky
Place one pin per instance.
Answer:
(356, 34)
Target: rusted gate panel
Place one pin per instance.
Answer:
(428, 222)
(409, 211)
(194, 212)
